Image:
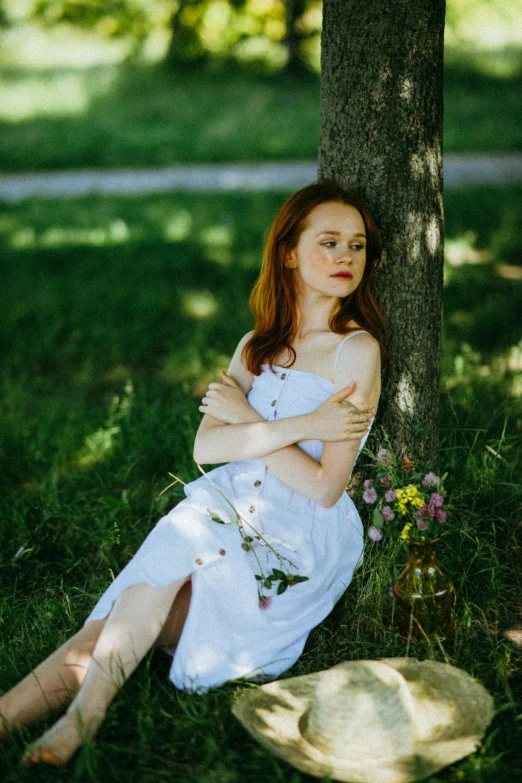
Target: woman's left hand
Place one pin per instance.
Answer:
(225, 401)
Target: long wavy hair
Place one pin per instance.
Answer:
(274, 298)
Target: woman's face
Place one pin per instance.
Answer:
(330, 255)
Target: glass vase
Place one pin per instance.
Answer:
(423, 595)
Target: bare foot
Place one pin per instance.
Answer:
(62, 740)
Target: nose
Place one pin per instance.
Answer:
(345, 254)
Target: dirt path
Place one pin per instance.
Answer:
(459, 171)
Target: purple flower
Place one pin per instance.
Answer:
(390, 496)
(429, 480)
(385, 481)
(375, 534)
(368, 483)
(265, 602)
(370, 495)
(436, 500)
(424, 511)
(387, 514)
(384, 457)
(421, 524)
(440, 514)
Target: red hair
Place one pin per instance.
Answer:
(273, 298)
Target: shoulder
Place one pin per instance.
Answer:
(237, 368)
(246, 337)
(359, 360)
(358, 344)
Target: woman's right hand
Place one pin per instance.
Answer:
(338, 419)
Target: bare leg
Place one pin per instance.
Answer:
(54, 683)
(135, 623)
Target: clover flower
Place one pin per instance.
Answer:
(370, 495)
(421, 524)
(387, 514)
(384, 457)
(385, 481)
(265, 602)
(440, 514)
(390, 496)
(436, 500)
(407, 464)
(374, 533)
(429, 480)
(368, 483)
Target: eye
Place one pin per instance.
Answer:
(358, 247)
(329, 242)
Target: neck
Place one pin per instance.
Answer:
(314, 311)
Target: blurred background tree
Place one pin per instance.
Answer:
(197, 29)
(281, 34)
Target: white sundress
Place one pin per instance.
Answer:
(227, 634)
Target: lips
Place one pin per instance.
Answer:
(344, 275)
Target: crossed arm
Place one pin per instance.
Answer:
(232, 430)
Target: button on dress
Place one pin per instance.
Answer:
(228, 633)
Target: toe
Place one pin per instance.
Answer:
(42, 757)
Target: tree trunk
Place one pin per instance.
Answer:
(381, 134)
(185, 47)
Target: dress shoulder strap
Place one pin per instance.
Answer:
(352, 334)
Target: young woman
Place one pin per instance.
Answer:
(288, 419)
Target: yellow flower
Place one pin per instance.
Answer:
(405, 532)
(409, 494)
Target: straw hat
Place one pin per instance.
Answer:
(389, 721)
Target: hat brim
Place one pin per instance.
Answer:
(272, 712)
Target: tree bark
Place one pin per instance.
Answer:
(381, 134)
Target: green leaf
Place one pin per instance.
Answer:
(257, 576)
(248, 539)
(377, 519)
(215, 517)
(277, 574)
(298, 578)
(282, 587)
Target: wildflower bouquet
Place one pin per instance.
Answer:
(404, 501)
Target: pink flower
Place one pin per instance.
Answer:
(390, 496)
(368, 483)
(375, 534)
(385, 481)
(265, 602)
(421, 524)
(384, 457)
(436, 500)
(425, 511)
(429, 480)
(370, 495)
(387, 514)
(440, 514)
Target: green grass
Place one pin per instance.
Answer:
(116, 314)
(143, 115)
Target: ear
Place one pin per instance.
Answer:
(290, 261)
